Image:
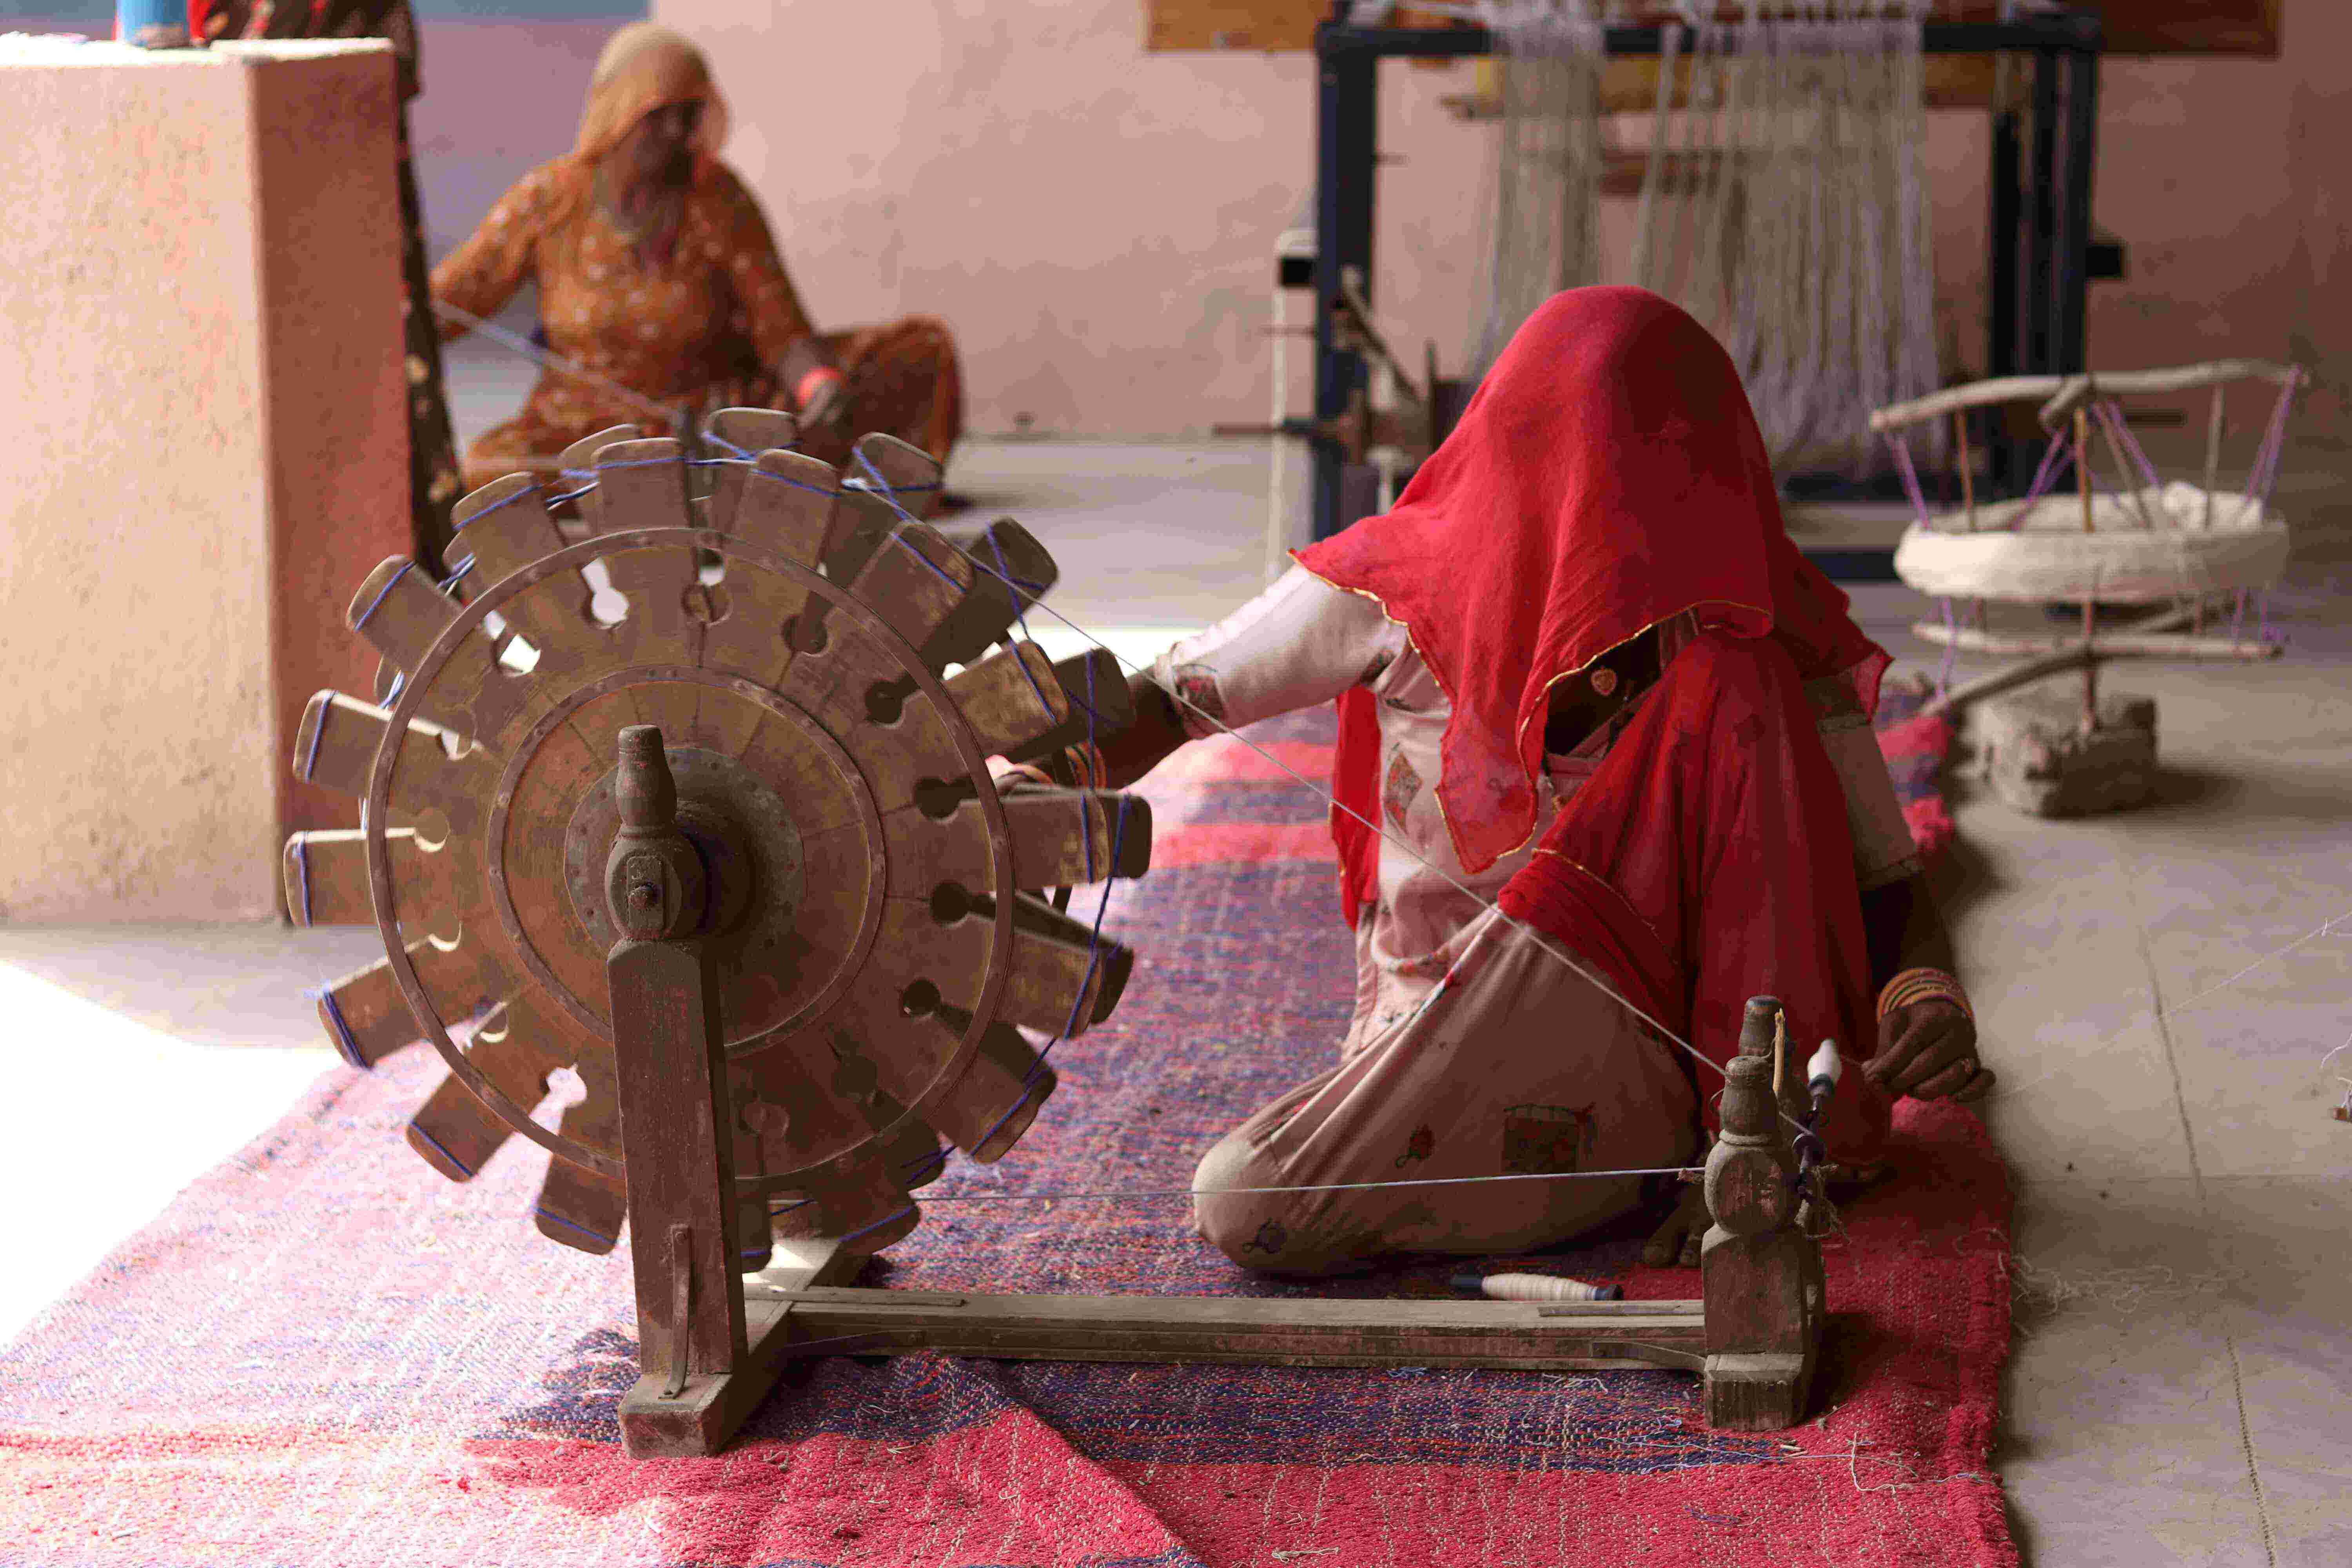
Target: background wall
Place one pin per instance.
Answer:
(503, 81)
(1098, 222)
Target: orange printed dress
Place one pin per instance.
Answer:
(704, 326)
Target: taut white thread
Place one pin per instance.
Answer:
(1123, 1193)
(551, 359)
(1531, 932)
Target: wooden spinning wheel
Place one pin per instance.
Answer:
(732, 854)
(872, 931)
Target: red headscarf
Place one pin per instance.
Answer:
(1607, 476)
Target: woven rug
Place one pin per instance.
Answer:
(1916, 745)
(324, 1354)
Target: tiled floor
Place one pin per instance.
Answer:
(2182, 1385)
(2183, 1391)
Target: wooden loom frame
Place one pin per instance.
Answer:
(2038, 306)
(2042, 157)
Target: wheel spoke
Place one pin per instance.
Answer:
(1011, 698)
(455, 1132)
(585, 1209)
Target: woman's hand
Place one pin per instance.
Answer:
(820, 393)
(1154, 734)
(1011, 778)
(828, 403)
(1676, 1244)
(1928, 1051)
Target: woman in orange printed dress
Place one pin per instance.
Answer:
(656, 274)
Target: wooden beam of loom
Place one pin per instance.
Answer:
(2248, 28)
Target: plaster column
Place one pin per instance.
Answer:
(202, 383)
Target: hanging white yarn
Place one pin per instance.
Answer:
(1539, 218)
(1784, 203)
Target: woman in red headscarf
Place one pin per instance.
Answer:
(1604, 739)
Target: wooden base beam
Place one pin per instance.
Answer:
(1250, 1330)
(700, 1418)
(1570, 1336)
(1753, 1337)
(1763, 1392)
(794, 1308)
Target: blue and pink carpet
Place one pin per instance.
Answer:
(323, 1354)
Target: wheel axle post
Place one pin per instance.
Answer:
(676, 1133)
(654, 879)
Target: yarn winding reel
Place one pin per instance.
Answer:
(2140, 540)
(735, 859)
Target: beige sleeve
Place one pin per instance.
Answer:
(1299, 643)
(1883, 849)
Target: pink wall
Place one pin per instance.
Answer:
(499, 99)
(1098, 222)
(2233, 183)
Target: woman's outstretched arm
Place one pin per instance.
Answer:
(1299, 643)
(480, 276)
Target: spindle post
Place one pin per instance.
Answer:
(1759, 1275)
(2089, 605)
(1968, 467)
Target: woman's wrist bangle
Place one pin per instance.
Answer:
(1084, 761)
(816, 381)
(1023, 773)
(1921, 985)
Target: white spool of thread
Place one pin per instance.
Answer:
(1536, 1287)
(1822, 1073)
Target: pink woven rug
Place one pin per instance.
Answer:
(324, 1354)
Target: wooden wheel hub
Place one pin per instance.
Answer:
(722, 810)
(750, 849)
